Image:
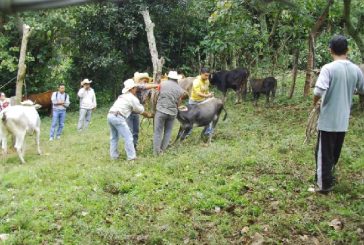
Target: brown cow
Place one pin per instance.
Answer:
(43, 99)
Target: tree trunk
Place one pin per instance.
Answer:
(22, 67)
(296, 54)
(354, 33)
(234, 59)
(157, 62)
(311, 44)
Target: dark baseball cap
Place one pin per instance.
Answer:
(339, 44)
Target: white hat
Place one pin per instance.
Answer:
(86, 81)
(128, 84)
(138, 76)
(174, 75)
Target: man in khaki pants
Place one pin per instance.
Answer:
(87, 104)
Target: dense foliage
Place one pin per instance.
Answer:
(107, 42)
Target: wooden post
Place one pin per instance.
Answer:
(296, 54)
(22, 67)
(157, 62)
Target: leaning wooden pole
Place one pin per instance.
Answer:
(157, 62)
(21, 66)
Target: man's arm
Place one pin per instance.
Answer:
(318, 92)
(81, 92)
(360, 84)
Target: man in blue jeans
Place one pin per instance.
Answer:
(60, 101)
(117, 120)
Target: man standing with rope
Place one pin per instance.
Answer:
(335, 87)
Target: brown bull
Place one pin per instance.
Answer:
(43, 99)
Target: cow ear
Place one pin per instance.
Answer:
(37, 106)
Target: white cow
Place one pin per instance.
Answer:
(18, 120)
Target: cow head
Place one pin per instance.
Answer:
(30, 103)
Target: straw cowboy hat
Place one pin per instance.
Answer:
(128, 84)
(174, 75)
(86, 81)
(138, 76)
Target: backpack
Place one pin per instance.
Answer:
(65, 96)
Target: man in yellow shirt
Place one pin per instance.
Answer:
(200, 93)
(200, 88)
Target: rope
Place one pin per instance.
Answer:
(311, 127)
(8, 82)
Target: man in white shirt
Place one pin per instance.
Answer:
(87, 104)
(126, 104)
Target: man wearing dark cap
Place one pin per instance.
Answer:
(335, 87)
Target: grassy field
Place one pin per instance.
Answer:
(251, 185)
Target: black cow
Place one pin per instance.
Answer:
(235, 80)
(265, 86)
(200, 115)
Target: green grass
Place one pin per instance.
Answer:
(255, 174)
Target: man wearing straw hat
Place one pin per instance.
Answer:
(87, 104)
(117, 120)
(335, 87)
(142, 82)
(170, 97)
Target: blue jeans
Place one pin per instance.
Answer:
(85, 118)
(133, 123)
(58, 117)
(119, 128)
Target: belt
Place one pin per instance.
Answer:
(116, 113)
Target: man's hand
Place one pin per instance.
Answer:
(316, 100)
(147, 114)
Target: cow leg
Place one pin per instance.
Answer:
(19, 145)
(180, 132)
(37, 136)
(185, 132)
(255, 98)
(244, 91)
(4, 144)
(267, 99)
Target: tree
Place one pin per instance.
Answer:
(22, 67)
(311, 44)
(354, 32)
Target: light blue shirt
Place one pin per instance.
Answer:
(58, 97)
(339, 80)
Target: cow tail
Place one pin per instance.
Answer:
(225, 116)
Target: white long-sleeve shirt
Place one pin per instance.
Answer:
(87, 98)
(126, 104)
